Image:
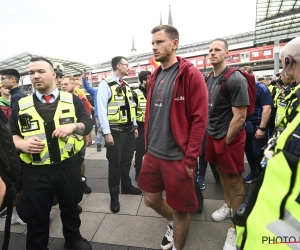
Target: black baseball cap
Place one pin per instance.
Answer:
(59, 72)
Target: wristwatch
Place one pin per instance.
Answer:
(262, 129)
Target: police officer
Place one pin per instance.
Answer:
(140, 97)
(117, 112)
(47, 128)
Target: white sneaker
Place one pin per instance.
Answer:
(167, 241)
(17, 220)
(230, 240)
(221, 214)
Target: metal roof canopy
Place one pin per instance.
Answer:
(20, 62)
(277, 20)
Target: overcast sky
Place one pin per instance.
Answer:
(93, 31)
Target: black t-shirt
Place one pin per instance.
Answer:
(220, 105)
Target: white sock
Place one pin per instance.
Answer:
(171, 224)
(173, 248)
(14, 212)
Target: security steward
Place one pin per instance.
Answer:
(117, 112)
(47, 129)
(140, 97)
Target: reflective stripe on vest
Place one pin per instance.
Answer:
(141, 106)
(267, 207)
(117, 108)
(65, 111)
(282, 229)
(40, 136)
(288, 226)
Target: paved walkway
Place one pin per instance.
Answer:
(135, 226)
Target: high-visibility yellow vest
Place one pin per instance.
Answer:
(276, 96)
(120, 103)
(275, 216)
(61, 148)
(141, 106)
(284, 108)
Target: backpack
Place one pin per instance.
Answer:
(6, 110)
(10, 172)
(251, 87)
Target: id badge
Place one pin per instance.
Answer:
(66, 120)
(119, 98)
(282, 104)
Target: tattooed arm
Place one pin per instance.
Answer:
(79, 128)
(65, 130)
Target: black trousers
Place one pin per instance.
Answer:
(254, 151)
(119, 158)
(139, 149)
(34, 203)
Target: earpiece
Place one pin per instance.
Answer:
(288, 60)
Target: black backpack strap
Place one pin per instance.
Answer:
(7, 226)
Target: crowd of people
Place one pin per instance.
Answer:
(172, 126)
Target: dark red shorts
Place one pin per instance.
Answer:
(158, 175)
(230, 158)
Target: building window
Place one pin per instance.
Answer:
(268, 52)
(199, 62)
(235, 58)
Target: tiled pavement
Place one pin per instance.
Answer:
(135, 226)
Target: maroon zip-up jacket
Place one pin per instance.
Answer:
(188, 111)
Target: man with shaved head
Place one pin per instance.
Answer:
(290, 57)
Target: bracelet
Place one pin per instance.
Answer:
(262, 129)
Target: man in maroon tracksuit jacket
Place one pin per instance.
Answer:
(175, 123)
